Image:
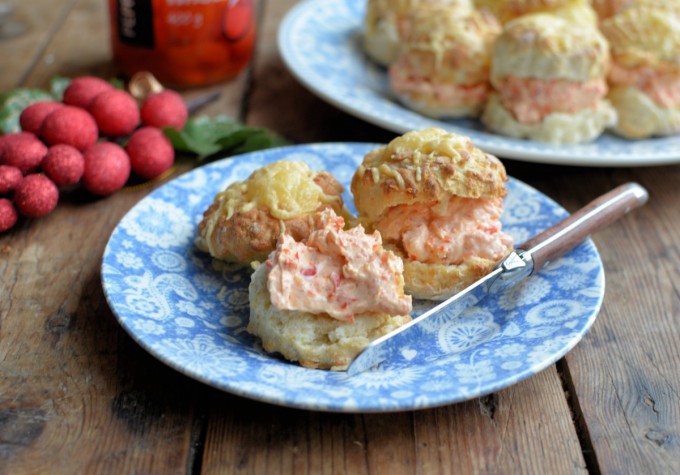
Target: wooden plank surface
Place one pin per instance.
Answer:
(77, 395)
(522, 429)
(27, 28)
(625, 373)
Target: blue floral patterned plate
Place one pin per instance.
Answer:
(320, 42)
(191, 312)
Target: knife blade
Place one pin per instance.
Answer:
(524, 261)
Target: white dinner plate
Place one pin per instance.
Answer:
(191, 312)
(320, 42)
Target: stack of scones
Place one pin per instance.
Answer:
(553, 71)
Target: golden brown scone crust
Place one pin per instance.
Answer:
(386, 21)
(247, 232)
(446, 48)
(545, 46)
(424, 166)
(441, 281)
(315, 341)
(645, 36)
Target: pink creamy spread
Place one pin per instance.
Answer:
(662, 87)
(531, 100)
(445, 94)
(449, 233)
(341, 273)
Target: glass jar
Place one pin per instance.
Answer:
(183, 42)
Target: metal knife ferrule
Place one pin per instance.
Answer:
(515, 267)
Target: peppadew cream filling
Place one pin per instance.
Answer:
(447, 233)
(444, 93)
(530, 100)
(336, 272)
(663, 87)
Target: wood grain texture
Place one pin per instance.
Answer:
(625, 373)
(77, 395)
(522, 429)
(32, 26)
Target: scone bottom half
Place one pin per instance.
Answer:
(320, 301)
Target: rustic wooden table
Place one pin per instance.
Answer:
(78, 395)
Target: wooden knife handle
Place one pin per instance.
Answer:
(596, 215)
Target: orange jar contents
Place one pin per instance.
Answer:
(183, 42)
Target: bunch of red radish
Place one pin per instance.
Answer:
(76, 142)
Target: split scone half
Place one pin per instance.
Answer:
(245, 220)
(443, 68)
(549, 75)
(386, 21)
(645, 75)
(436, 200)
(322, 300)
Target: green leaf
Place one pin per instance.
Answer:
(15, 102)
(205, 137)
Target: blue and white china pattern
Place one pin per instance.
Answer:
(191, 311)
(320, 42)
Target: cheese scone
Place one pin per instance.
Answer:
(645, 73)
(443, 69)
(245, 220)
(579, 11)
(386, 21)
(436, 200)
(322, 300)
(549, 75)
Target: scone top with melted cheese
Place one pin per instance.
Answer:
(245, 220)
(443, 68)
(386, 21)
(422, 167)
(548, 47)
(645, 37)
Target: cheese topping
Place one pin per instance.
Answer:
(414, 149)
(336, 272)
(286, 188)
(449, 232)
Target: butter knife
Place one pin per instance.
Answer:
(524, 261)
